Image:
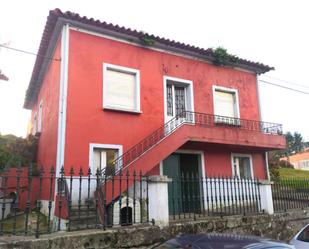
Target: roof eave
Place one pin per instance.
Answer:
(35, 82)
(59, 20)
(158, 45)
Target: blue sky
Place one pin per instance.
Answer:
(265, 31)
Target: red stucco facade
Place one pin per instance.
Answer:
(48, 136)
(49, 96)
(87, 122)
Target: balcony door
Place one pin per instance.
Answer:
(175, 100)
(178, 97)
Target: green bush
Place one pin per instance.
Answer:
(285, 164)
(222, 57)
(16, 151)
(274, 173)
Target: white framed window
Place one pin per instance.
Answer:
(40, 117)
(121, 88)
(226, 105)
(34, 124)
(178, 97)
(242, 165)
(102, 157)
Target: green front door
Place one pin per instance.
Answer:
(171, 168)
(183, 191)
(190, 187)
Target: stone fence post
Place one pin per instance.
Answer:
(158, 199)
(266, 196)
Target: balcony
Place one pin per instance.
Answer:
(196, 127)
(202, 128)
(234, 131)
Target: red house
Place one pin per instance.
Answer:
(101, 92)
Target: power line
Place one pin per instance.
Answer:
(31, 53)
(286, 81)
(260, 80)
(284, 87)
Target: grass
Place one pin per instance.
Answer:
(293, 173)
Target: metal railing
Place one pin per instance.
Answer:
(192, 118)
(193, 197)
(290, 193)
(37, 207)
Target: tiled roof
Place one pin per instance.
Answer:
(54, 15)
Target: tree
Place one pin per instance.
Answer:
(289, 143)
(16, 150)
(298, 143)
(294, 143)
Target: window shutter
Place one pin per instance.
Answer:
(244, 167)
(225, 104)
(34, 127)
(40, 117)
(99, 159)
(120, 89)
(96, 160)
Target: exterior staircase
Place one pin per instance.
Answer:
(83, 216)
(188, 126)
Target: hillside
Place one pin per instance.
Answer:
(293, 173)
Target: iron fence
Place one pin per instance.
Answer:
(39, 202)
(290, 193)
(192, 196)
(35, 202)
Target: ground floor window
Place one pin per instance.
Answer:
(103, 157)
(242, 166)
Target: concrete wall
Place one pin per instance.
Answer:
(279, 226)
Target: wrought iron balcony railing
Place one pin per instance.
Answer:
(192, 118)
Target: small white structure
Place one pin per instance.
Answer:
(7, 204)
(158, 200)
(266, 197)
(134, 211)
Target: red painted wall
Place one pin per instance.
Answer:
(218, 158)
(220, 163)
(23, 190)
(88, 123)
(49, 95)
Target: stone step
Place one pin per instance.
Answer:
(74, 227)
(83, 210)
(83, 217)
(83, 222)
(74, 207)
